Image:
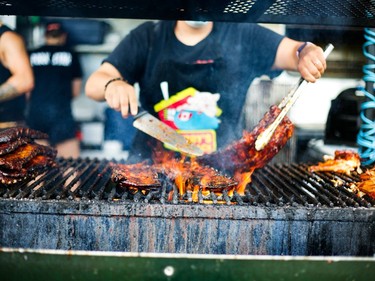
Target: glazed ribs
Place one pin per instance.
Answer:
(21, 158)
(367, 183)
(138, 175)
(241, 156)
(343, 161)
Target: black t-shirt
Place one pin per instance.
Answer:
(225, 62)
(55, 67)
(12, 110)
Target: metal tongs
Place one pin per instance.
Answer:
(285, 105)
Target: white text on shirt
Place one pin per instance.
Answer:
(57, 59)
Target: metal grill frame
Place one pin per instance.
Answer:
(193, 229)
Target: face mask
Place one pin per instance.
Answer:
(196, 24)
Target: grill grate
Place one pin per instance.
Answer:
(274, 185)
(318, 12)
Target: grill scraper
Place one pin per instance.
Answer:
(152, 126)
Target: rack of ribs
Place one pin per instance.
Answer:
(241, 156)
(343, 161)
(21, 158)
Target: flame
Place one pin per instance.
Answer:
(195, 193)
(193, 181)
(180, 183)
(186, 175)
(243, 180)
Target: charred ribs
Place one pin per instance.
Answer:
(241, 156)
(344, 161)
(21, 158)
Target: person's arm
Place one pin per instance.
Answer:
(310, 62)
(76, 71)
(15, 57)
(76, 87)
(104, 85)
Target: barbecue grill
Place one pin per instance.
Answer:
(74, 217)
(286, 210)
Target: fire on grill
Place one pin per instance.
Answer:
(226, 173)
(348, 162)
(218, 175)
(190, 179)
(283, 202)
(21, 158)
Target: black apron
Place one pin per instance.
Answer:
(201, 76)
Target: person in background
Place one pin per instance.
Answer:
(209, 68)
(16, 78)
(58, 79)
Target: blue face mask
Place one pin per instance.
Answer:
(196, 24)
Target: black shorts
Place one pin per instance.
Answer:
(57, 130)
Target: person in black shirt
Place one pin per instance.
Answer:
(58, 79)
(16, 78)
(208, 67)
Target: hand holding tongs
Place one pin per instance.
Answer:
(285, 105)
